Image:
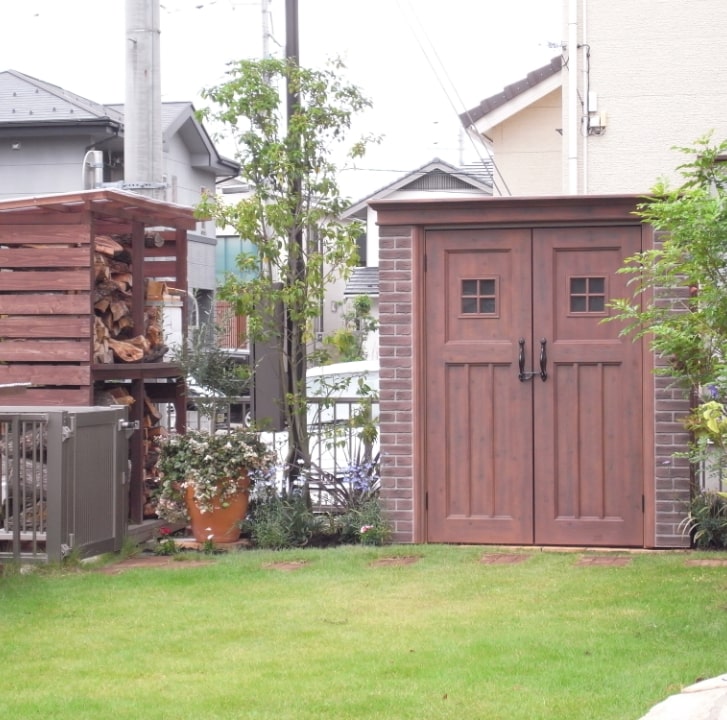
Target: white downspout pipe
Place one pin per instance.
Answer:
(586, 90)
(573, 114)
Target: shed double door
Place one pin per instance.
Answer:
(533, 404)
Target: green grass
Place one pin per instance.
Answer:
(446, 637)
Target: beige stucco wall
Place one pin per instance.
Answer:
(659, 71)
(527, 149)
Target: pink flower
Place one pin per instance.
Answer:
(366, 528)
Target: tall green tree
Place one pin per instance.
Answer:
(291, 215)
(680, 286)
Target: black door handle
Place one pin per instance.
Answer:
(522, 375)
(543, 360)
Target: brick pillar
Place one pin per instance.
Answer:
(673, 475)
(396, 379)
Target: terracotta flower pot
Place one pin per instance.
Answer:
(222, 523)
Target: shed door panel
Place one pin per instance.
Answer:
(548, 462)
(588, 472)
(479, 422)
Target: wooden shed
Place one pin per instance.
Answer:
(511, 413)
(81, 282)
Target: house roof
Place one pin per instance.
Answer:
(436, 176)
(181, 118)
(28, 102)
(535, 79)
(25, 99)
(363, 281)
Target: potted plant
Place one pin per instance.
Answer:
(206, 480)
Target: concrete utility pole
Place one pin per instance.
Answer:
(267, 30)
(143, 171)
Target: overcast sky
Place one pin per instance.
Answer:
(422, 62)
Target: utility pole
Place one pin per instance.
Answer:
(267, 30)
(143, 171)
(295, 342)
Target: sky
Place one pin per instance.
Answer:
(421, 62)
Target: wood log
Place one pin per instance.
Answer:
(154, 326)
(102, 304)
(107, 245)
(140, 342)
(125, 351)
(125, 323)
(107, 288)
(101, 267)
(121, 396)
(151, 410)
(155, 289)
(156, 354)
(101, 350)
(119, 266)
(119, 309)
(122, 279)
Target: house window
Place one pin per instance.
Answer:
(479, 297)
(587, 294)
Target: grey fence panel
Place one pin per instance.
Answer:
(64, 481)
(95, 486)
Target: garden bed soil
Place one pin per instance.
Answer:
(395, 561)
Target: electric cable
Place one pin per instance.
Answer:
(475, 146)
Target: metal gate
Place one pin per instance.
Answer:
(63, 481)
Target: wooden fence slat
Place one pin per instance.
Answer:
(39, 280)
(64, 397)
(44, 304)
(44, 327)
(45, 257)
(38, 374)
(160, 269)
(42, 234)
(45, 351)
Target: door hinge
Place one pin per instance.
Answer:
(425, 262)
(643, 503)
(426, 501)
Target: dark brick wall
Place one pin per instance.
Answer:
(396, 379)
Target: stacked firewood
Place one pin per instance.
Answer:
(115, 337)
(154, 433)
(26, 455)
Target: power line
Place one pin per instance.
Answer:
(443, 71)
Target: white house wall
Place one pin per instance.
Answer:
(527, 149)
(41, 166)
(659, 74)
(201, 262)
(185, 182)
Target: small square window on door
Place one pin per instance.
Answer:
(587, 295)
(479, 296)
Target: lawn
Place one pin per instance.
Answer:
(334, 634)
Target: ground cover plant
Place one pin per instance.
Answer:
(363, 632)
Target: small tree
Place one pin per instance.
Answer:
(683, 281)
(292, 214)
(348, 343)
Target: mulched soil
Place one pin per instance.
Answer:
(605, 561)
(395, 561)
(288, 566)
(707, 563)
(149, 561)
(503, 558)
